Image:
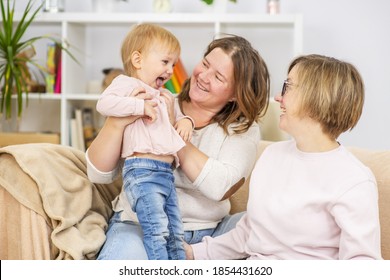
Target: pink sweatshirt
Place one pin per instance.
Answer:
(304, 206)
(159, 137)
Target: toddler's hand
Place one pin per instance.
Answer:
(149, 111)
(184, 128)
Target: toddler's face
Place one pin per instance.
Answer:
(157, 66)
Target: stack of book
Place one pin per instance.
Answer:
(175, 84)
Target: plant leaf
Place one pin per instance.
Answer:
(13, 69)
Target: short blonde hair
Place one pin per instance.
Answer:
(331, 92)
(141, 38)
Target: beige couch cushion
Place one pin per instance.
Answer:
(377, 161)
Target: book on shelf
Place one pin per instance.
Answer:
(50, 65)
(79, 126)
(53, 66)
(82, 130)
(74, 138)
(88, 127)
(58, 77)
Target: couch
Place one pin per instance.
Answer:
(49, 209)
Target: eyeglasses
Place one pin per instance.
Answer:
(284, 88)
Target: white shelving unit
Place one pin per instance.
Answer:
(95, 40)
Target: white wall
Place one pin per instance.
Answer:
(356, 31)
(352, 30)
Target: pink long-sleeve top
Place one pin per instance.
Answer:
(304, 206)
(159, 137)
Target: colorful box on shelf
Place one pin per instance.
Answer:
(175, 84)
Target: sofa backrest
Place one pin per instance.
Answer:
(377, 161)
(269, 124)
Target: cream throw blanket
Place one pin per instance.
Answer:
(51, 180)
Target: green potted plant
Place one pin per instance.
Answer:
(216, 6)
(15, 53)
(210, 2)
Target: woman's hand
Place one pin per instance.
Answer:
(170, 102)
(150, 111)
(189, 252)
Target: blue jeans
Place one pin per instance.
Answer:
(150, 190)
(124, 239)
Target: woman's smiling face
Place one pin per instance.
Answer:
(212, 81)
(289, 103)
